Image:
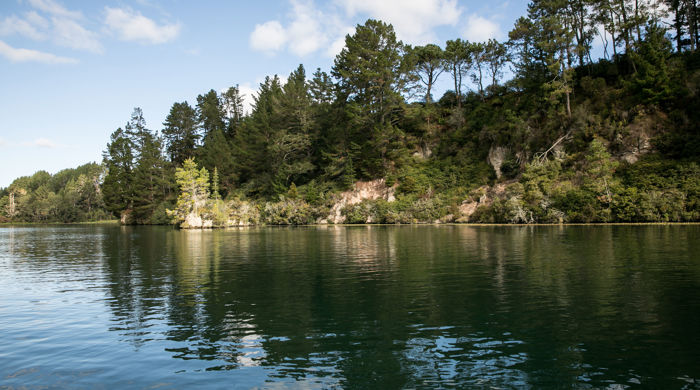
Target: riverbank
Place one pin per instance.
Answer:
(100, 222)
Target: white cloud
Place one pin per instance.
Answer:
(269, 36)
(480, 29)
(69, 33)
(27, 55)
(131, 25)
(55, 9)
(249, 94)
(14, 25)
(2, 142)
(413, 20)
(310, 29)
(43, 143)
(336, 47)
(305, 32)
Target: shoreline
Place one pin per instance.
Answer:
(116, 222)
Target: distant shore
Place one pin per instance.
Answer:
(116, 222)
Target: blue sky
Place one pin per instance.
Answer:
(71, 72)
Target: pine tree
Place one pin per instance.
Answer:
(458, 60)
(427, 65)
(252, 143)
(210, 112)
(118, 188)
(371, 75)
(232, 106)
(194, 190)
(217, 153)
(180, 132)
(149, 179)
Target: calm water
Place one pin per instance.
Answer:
(350, 307)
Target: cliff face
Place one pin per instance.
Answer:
(362, 190)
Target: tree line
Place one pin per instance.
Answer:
(373, 116)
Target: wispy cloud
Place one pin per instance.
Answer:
(55, 9)
(29, 27)
(192, 52)
(64, 27)
(28, 55)
(130, 25)
(44, 143)
(69, 33)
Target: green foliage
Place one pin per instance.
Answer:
(210, 112)
(194, 191)
(288, 212)
(652, 83)
(181, 133)
(71, 195)
(567, 122)
(217, 154)
(118, 159)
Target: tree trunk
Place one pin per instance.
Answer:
(637, 21)
(679, 28)
(612, 33)
(625, 26)
(457, 91)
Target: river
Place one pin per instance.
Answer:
(489, 307)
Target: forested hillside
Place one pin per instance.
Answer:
(534, 130)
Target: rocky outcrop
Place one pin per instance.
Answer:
(482, 196)
(636, 140)
(362, 190)
(496, 157)
(125, 218)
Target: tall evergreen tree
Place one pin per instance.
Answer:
(210, 112)
(118, 158)
(371, 75)
(457, 61)
(251, 147)
(150, 183)
(180, 132)
(496, 57)
(217, 154)
(291, 147)
(428, 66)
(232, 106)
(136, 130)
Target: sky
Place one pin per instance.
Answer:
(71, 72)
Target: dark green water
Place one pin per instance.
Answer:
(350, 307)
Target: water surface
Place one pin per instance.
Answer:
(350, 307)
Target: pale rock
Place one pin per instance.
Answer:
(192, 221)
(496, 157)
(362, 190)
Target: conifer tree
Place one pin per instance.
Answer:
(149, 179)
(217, 153)
(118, 187)
(180, 132)
(427, 63)
(457, 61)
(232, 106)
(371, 75)
(210, 112)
